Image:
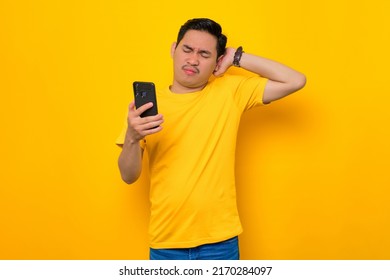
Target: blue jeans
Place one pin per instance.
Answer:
(225, 250)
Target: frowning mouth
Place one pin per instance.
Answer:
(190, 70)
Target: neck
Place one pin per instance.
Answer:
(181, 89)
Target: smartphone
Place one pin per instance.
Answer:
(145, 92)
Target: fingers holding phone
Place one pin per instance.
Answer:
(138, 126)
(147, 121)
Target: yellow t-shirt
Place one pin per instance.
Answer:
(191, 161)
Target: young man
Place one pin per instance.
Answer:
(191, 144)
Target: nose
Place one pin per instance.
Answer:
(193, 59)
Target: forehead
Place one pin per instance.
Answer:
(200, 40)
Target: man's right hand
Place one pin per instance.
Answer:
(139, 127)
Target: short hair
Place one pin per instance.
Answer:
(208, 25)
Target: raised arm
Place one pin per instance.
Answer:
(283, 80)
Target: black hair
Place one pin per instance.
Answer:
(208, 25)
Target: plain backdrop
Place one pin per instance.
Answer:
(312, 169)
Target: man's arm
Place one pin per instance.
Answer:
(130, 162)
(130, 158)
(282, 80)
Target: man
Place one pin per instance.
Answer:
(192, 148)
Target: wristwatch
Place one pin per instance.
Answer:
(237, 56)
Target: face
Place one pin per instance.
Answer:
(194, 60)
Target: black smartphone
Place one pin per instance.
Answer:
(145, 92)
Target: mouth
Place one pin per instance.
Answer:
(190, 70)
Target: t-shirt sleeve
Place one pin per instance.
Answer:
(120, 140)
(249, 92)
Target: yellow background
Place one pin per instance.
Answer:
(312, 170)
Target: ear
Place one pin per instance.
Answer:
(173, 48)
(218, 65)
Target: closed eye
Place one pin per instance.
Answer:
(187, 49)
(205, 54)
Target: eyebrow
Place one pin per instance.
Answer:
(200, 51)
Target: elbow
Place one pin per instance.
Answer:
(129, 178)
(279, 90)
(129, 181)
(299, 82)
(129, 175)
(129, 172)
